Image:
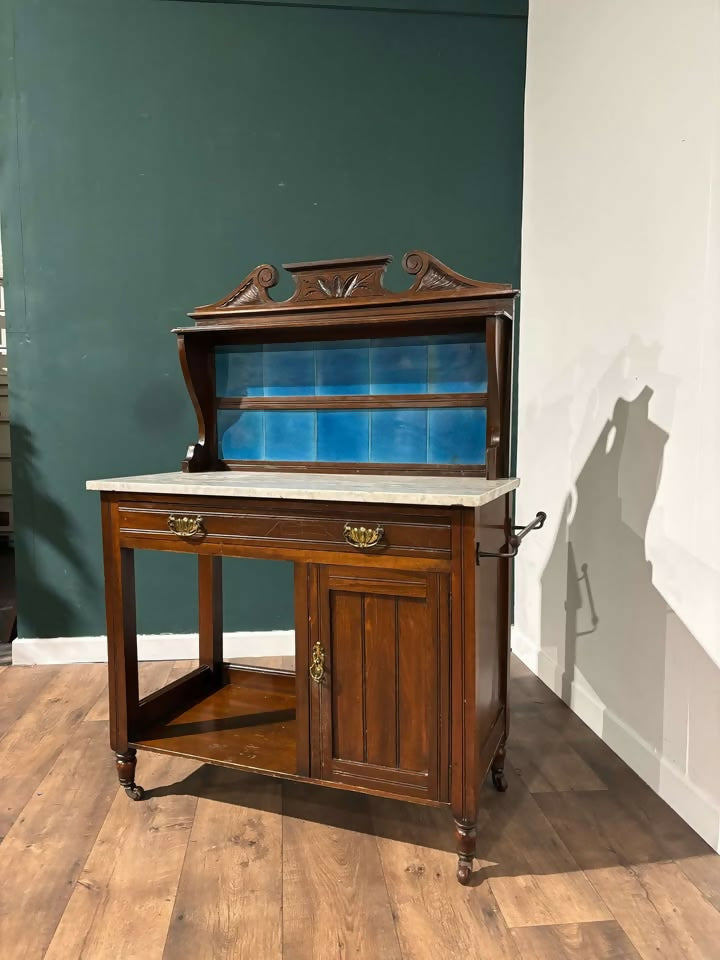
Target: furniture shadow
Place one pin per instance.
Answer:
(243, 721)
(624, 654)
(514, 837)
(47, 530)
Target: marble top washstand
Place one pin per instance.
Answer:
(347, 488)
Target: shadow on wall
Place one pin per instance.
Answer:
(617, 640)
(50, 522)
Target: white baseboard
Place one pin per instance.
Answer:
(152, 646)
(696, 807)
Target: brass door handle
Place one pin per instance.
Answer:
(186, 526)
(317, 665)
(363, 537)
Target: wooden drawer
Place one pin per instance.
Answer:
(285, 525)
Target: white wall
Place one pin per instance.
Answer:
(619, 419)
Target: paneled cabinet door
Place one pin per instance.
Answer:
(379, 667)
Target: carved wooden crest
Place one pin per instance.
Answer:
(341, 281)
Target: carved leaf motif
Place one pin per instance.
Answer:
(434, 280)
(249, 294)
(339, 288)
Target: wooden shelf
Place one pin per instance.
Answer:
(248, 723)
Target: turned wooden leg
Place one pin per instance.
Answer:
(498, 770)
(465, 836)
(126, 763)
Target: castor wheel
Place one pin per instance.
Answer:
(464, 872)
(126, 763)
(499, 781)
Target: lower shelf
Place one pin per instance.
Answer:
(239, 725)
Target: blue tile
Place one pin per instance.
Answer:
(239, 371)
(289, 369)
(399, 365)
(343, 367)
(240, 434)
(457, 364)
(290, 435)
(457, 435)
(398, 436)
(343, 436)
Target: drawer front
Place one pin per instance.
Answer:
(357, 530)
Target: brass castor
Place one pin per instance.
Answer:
(464, 872)
(135, 792)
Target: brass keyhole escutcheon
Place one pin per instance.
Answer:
(317, 664)
(186, 526)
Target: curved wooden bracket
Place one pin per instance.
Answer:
(198, 367)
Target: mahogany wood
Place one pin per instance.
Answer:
(336, 299)
(368, 401)
(401, 650)
(295, 525)
(210, 606)
(412, 697)
(294, 466)
(174, 696)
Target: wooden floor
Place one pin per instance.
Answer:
(579, 859)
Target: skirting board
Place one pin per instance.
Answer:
(152, 646)
(671, 783)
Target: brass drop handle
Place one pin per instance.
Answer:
(317, 664)
(186, 526)
(363, 537)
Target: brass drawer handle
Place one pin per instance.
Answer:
(186, 526)
(317, 666)
(362, 537)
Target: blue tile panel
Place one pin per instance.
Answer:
(399, 436)
(447, 363)
(457, 364)
(290, 435)
(342, 368)
(456, 435)
(343, 436)
(241, 434)
(288, 370)
(434, 435)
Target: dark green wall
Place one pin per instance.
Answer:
(154, 152)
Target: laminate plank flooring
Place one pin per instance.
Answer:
(579, 860)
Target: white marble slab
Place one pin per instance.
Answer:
(367, 488)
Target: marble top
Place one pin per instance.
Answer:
(366, 488)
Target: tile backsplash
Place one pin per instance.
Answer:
(452, 363)
(441, 435)
(446, 363)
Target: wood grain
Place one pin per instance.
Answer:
(217, 863)
(434, 919)
(531, 873)
(43, 853)
(334, 896)
(19, 687)
(152, 675)
(123, 899)
(229, 900)
(34, 741)
(605, 940)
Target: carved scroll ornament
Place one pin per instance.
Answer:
(322, 282)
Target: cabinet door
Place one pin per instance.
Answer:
(381, 704)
